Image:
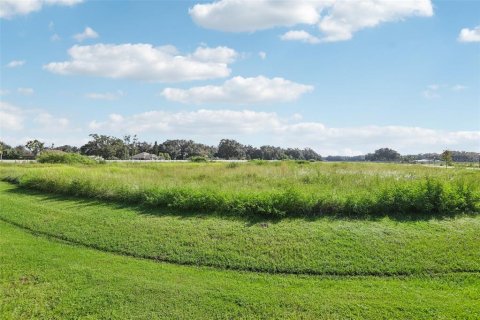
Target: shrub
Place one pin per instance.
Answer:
(198, 159)
(63, 157)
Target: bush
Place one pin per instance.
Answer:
(198, 159)
(63, 157)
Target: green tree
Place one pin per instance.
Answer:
(231, 149)
(35, 146)
(383, 154)
(104, 146)
(447, 157)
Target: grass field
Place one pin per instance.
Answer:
(263, 188)
(66, 252)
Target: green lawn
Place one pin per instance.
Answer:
(45, 279)
(320, 246)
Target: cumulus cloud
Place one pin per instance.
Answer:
(15, 63)
(239, 90)
(145, 62)
(11, 117)
(88, 33)
(105, 95)
(299, 35)
(25, 91)
(337, 20)
(30, 121)
(12, 8)
(469, 35)
(247, 126)
(262, 55)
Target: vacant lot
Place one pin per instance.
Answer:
(68, 253)
(264, 188)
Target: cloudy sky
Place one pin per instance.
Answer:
(342, 77)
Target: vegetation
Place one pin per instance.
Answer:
(45, 279)
(323, 246)
(63, 256)
(447, 157)
(384, 155)
(275, 189)
(64, 157)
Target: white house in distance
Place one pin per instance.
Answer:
(145, 156)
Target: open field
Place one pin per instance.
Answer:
(271, 189)
(87, 241)
(45, 279)
(321, 246)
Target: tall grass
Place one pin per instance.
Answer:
(272, 189)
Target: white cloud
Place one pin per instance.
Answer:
(4, 92)
(15, 63)
(105, 96)
(11, 8)
(88, 33)
(48, 121)
(145, 62)
(262, 55)
(459, 87)
(435, 91)
(55, 37)
(25, 91)
(337, 20)
(34, 122)
(268, 127)
(11, 118)
(469, 35)
(239, 90)
(299, 35)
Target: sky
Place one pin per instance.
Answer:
(342, 77)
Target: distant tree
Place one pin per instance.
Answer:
(155, 149)
(447, 157)
(103, 146)
(231, 149)
(383, 154)
(67, 148)
(3, 149)
(35, 146)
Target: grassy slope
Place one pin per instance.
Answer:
(45, 279)
(270, 189)
(321, 246)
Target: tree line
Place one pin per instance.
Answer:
(114, 148)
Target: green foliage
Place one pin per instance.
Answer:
(63, 157)
(308, 246)
(277, 189)
(35, 146)
(198, 159)
(447, 157)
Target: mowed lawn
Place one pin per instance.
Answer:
(139, 241)
(69, 258)
(42, 278)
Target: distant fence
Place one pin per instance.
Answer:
(131, 161)
(17, 161)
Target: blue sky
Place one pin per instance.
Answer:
(340, 77)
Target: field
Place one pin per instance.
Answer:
(260, 188)
(136, 241)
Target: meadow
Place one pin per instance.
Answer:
(275, 189)
(104, 241)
